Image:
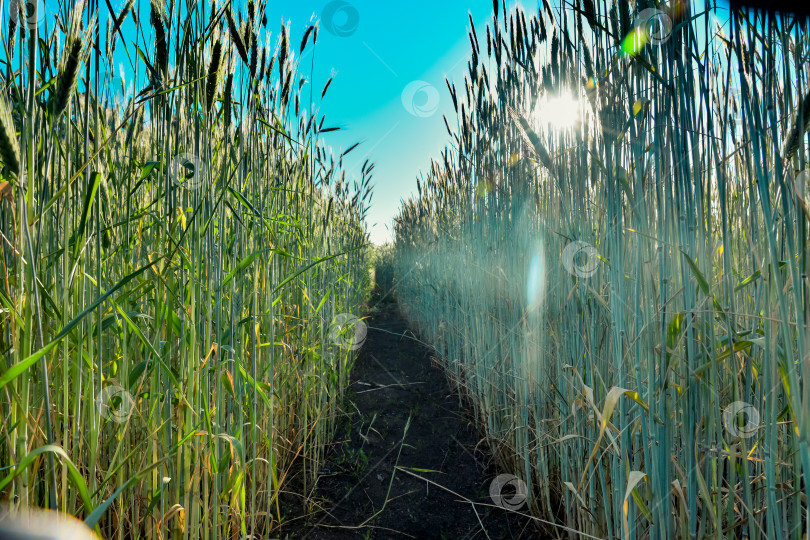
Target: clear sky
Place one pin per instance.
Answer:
(385, 51)
(380, 51)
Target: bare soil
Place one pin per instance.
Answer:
(402, 429)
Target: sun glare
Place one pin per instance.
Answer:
(559, 112)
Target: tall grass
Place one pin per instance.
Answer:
(626, 300)
(384, 269)
(174, 248)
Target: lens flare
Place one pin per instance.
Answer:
(535, 283)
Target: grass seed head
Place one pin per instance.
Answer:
(9, 147)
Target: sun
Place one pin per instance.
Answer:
(558, 112)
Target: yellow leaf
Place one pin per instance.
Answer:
(611, 399)
(570, 486)
(635, 397)
(632, 481)
(181, 517)
(212, 350)
(610, 403)
(227, 380)
(5, 191)
(182, 217)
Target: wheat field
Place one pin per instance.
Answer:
(175, 255)
(611, 258)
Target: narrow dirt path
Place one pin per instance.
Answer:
(401, 412)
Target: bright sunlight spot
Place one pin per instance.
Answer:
(559, 112)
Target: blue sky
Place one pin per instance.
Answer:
(388, 47)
